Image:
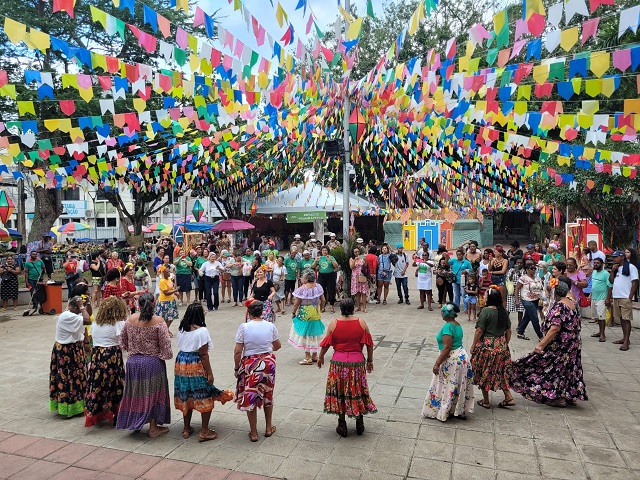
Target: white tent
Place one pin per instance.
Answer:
(311, 197)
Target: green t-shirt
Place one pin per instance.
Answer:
(198, 263)
(34, 269)
(423, 268)
(248, 258)
(454, 331)
(182, 268)
(292, 268)
(325, 265)
(488, 323)
(306, 264)
(599, 285)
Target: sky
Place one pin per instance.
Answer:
(325, 11)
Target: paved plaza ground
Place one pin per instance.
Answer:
(598, 439)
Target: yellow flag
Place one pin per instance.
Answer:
(86, 93)
(16, 31)
(39, 40)
(281, 15)
(568, 38)
(26, 107)
(139, 104)
(182, 5)
(535, 6)
(353, 31)
(599, 63)
(540, 73)
(499, 21)
(418, 15)
(346, 15)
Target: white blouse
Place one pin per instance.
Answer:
(193, 340)
(106, 335)
(69, 328)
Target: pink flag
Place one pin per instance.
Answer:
(148, 42)
(260, 36)
(589, 29)
(521, 28)
(182, 38)
(309, 24)
(238, 49)
(622, 59)
(517, 46)
(164, 25)
(198, 18)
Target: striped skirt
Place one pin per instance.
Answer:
(190, 388)
(67, 379)
(146, 393)
(105, 384)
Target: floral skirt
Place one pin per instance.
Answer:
(306, 329)
(190, 388)
(167, 310)
(105, 385)
(347, 390)
(67, 379)
(491, 364)
(451, 391)
(256, 381)
(146, 393)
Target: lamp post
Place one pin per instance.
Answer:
(347, 155)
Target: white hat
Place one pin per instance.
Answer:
(332, 234)
(312, 234)
(359, 240)
(306, 252)
(297, 235)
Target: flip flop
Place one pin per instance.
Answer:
(507, 403)
(211, 435)
(267, 434)
(484, 405)
(617, 342)
(522, 336)
(595, 335)
(305, 362)
(602, 339)
(161, 431)
(624, 348)
(252, 438)
(187, 433)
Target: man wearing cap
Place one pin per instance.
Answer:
(305, 263)
(400, 274)
(332, 243)
(297, 243)
(624, 278)
(594, 252)
(293, 274)
(311, 243)
(45, 249)
(272, 249)
(531, 253)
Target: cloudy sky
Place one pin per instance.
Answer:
(325, 11)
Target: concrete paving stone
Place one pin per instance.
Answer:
(312, 451)
(517, 462)
(199, 472)
(561, 469)
(43, 448)
(297, 469)
(389, 463)
(461, 470)
(349, 455)
(517, 429)
(75, 473)
(290, 430)
(474, 456)
(17, 443)
(435, 430)
(516, 476)
(563, 451)
(115, 476)
(12, 465)
(402, 429)
(404, 415)
(632, 460)
(280, 446)
(336, 471)
(160, 447)
(429, 469)
(434, 450)
(325, 434)
(414, 404)
(414, 392)
(304, 417)
(506, 443)
(474, 438)
(593, 438)
(261, 464)
(601, 456)
(193, 451)
(610, 473)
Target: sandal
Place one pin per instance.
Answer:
(253, 438)
(187, 433)
(430, 309)
(602, 339)
(507, 403)
(624, 348)
(384, 302)
(421, 307)
(160, 431)
(314, 359)
(522, 336)
(558, 402)
(595, 335)
(484, 405)
(211, 435)
(306, 361)
(268, 433)
(617, 342)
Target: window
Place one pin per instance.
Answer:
(100, 222)
(111, 222)
(71, 194)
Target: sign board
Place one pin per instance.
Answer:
(191, 240)
(74, 208)
(305, 217)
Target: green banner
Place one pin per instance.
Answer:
(305, 217)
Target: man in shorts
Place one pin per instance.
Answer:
(599, 291)
(624, 278)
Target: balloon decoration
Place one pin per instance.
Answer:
(6, 206)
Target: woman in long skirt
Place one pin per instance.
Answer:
(105, 380)
(166, 306)
(307, 324)
(451, 389)
(68, 375)
(255, 368)
(359, 279)
(193, 387)
(145, 337)
(552, 374)
(9, 286)
(490, 356)
(347, 389)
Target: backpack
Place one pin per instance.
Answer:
(393, 258)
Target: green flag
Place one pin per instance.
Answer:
(370, 9)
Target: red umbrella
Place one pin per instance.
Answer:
(232, 225)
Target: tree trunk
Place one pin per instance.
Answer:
(48, 207)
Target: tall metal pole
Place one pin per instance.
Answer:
(346, 211)
(173, 215)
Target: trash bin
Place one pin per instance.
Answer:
(53, 304)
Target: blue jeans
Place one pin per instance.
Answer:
(237, 284)
(212, 284)
(457, 293)
(530, 315)
(402, 284)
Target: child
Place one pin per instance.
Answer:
(483, 286)
(471, 297)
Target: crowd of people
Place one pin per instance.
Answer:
(490, 285)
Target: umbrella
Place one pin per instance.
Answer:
(4, 234)
(232, 225)
(9, 233)
(159, 227)
(144, 229)
(73, 227)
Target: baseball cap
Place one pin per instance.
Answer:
(306, 252)
(530, 245)
(312, 234)
(399, 245)
(332, 234)
(359, 240)
(297, 235)
(618, 253)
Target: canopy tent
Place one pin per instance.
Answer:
(311, 197)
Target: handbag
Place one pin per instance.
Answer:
(226, 276)
(511, 287)
(362, 279)
(585, 301)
